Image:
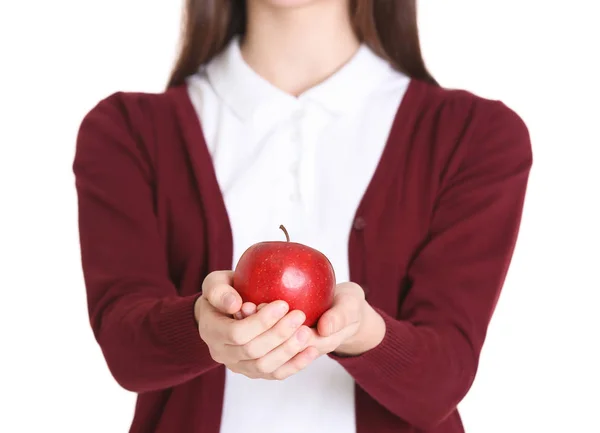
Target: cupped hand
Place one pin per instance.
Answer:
(350, 327)
(339, 328)
(270, 343)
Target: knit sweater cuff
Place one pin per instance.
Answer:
(178, 331)
(396, 351)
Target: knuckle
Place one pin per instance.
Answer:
(208, 282)
(292, 347)
(262, 366)
(251, 351)
(334, 344)
(215, 355)
(249, 373)
(237, 335)
(207, 279)
(351, 289)
(283, 331)
(358, 289)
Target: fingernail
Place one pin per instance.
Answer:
(248, 309)
(281, 309)
(228, 300)
(302, 335)
(238, 315)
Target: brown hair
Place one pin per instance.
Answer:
(388, 27)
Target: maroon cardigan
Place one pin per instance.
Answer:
(431, 244)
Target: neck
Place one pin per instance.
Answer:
(297, 48)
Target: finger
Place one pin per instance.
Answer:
(248, 309)
(297, 363)
(283, 353)
(217, 277)
(273, 338)
(345, 312)
(242, 331)
(329, 344)
(260, 307)
(218, 291)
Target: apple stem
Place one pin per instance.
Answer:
(287, 236)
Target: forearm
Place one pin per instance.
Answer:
(418, 373)
(152, 344)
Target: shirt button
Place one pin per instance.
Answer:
(359, 223)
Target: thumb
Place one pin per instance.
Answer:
(346, 310)
(219, 293)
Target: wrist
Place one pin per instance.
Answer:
(369, 335)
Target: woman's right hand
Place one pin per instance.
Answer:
(271, 344)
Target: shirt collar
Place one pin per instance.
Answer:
(246, 92)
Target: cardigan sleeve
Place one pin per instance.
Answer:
(427, 360)
(146, 331)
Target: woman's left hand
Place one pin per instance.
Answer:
(350, 328)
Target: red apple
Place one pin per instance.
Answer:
(288, 271)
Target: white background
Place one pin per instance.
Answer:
(539, 368)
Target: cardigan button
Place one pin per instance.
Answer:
(359, 223)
